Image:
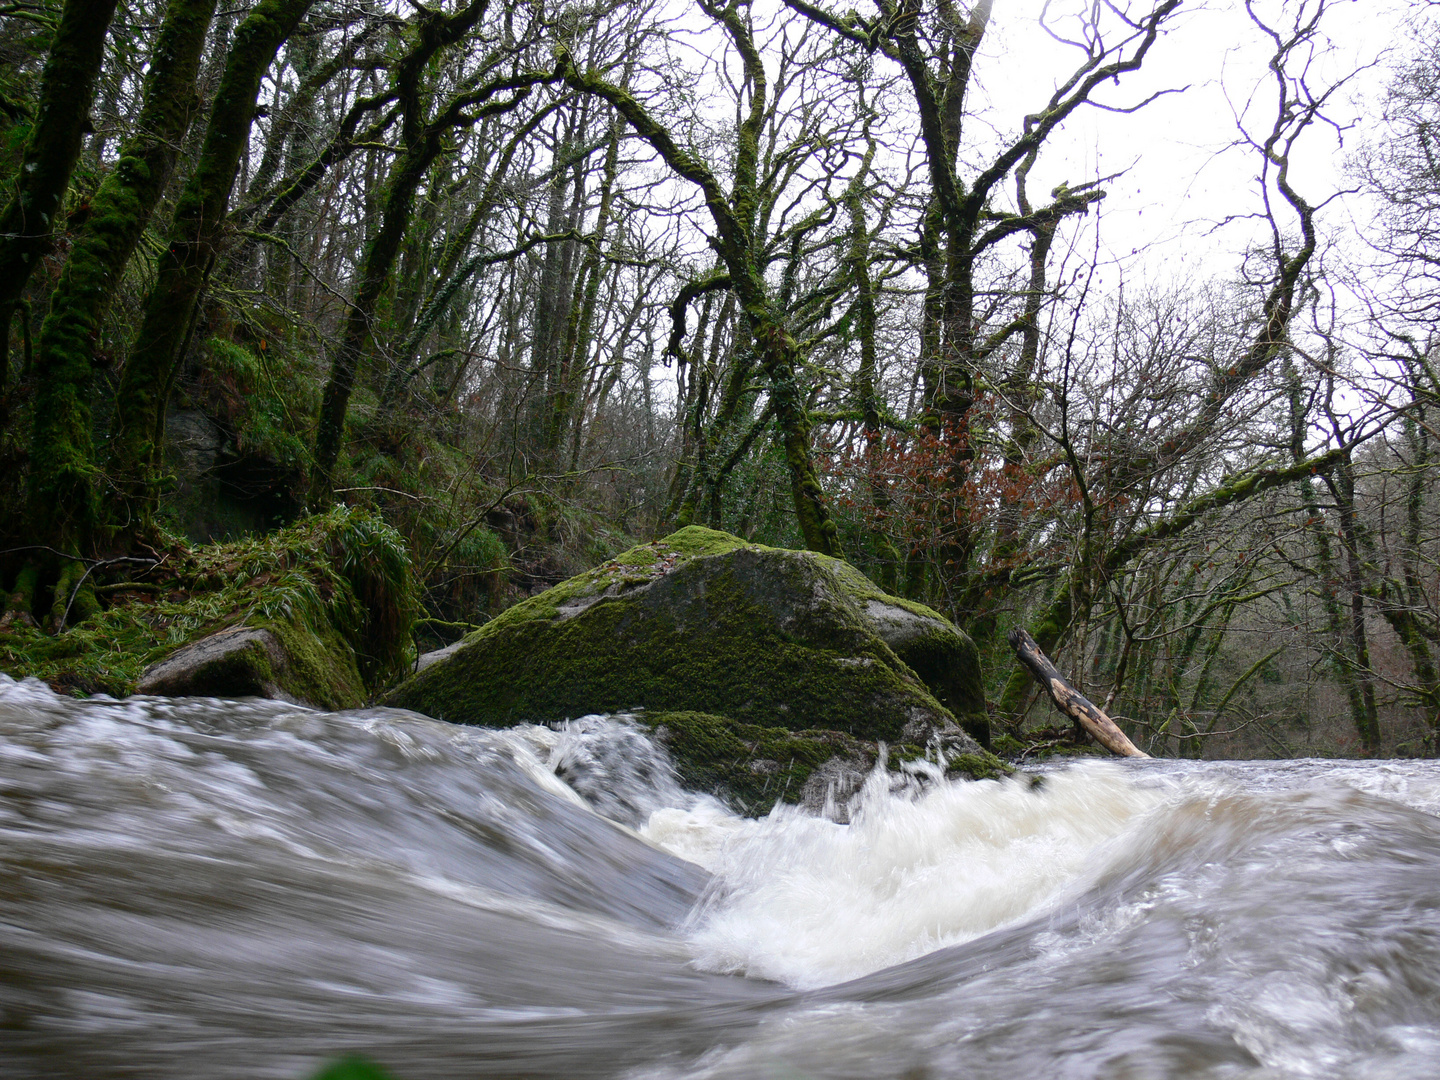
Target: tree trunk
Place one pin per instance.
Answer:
(1406, 618)
(1367, 720)
(423, 142)
(568, 402)
(734, 219)
(379, 256)
(67, 88)
(62, 465)
(883, 557)
(194, 239)
(1069, 700)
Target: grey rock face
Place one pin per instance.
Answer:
(426, 659)
(194, 442)
(238, 662)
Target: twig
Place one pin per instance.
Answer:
(130, 586)
(65, 618)
(46, 547)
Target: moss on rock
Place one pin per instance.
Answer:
(333, 591)
(703, 622)
(322, 668)
(697, 621)
(279, 660)
(748, 765)
(934, 648)
(753, 767)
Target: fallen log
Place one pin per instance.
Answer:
(1069, 700)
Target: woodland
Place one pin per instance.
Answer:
(524, 283)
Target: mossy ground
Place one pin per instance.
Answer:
(335, 589)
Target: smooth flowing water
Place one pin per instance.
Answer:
(196, 888)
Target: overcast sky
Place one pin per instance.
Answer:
(1181, 179)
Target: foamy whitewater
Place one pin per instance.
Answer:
(248, 889)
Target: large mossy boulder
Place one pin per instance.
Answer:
(704, 622)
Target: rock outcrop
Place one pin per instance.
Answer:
(703, 623)
(281, 662)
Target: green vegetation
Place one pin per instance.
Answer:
(352, 1068)
(64, 474)
(755, 665)
(473, 269)
(336, 589)
(699, 620)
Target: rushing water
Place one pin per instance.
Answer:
(198, 888)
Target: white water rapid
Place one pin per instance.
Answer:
(198, 888)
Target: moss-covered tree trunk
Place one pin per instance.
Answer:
(194, 237)
(701, 440)
(1341, 482)
(884, 558)
(421, 143)
(734, 215)
(1405, 617)
(454, 275)
(780, 357)
(732, 357)
(62, 465)
(375, 266)
(67, 88)
(1020, 394)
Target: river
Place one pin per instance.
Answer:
(198, 888)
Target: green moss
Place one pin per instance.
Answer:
(753, 766)
(244, 672)
(696, 541)
(1040, 744)
(703, 621)
(322, 666)
(766, 639)
(979, 766)
(64, 476)
(27, 582)
(198, 223)
(352, 1068)
(750, 766)
(104, 655)
(265, 399)
(661, 557)
(637, 566)
(335, 589)
(1007, 746)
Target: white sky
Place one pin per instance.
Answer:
(1181, 179)
(1183, 172)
